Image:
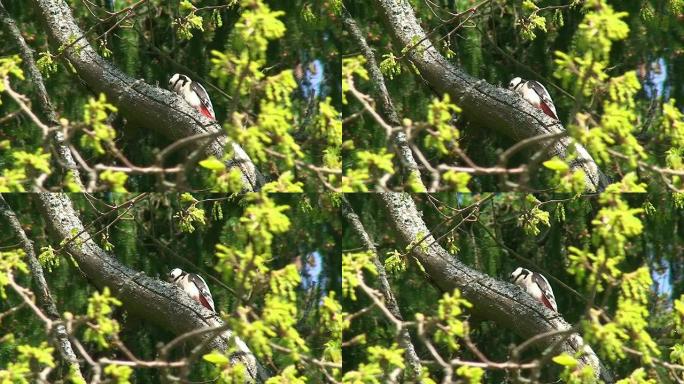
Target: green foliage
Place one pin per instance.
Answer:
(381, 361)
(672, 125)
(285, 183)
(228, 373)
(191, 215)
(221, 179)
(120, 373)
(10, 66)
(638, 376)
(565, 179)
(573, 372)
(9, 261)
(115, 180)
(46, 63)
(368, 164)
(389, 66)
(532, 21)
(277, 323)
(395, 263)
(457, 180)
(95, 114)
(287, 376)
(188, 21)
(585, 70)
(352, 66)
(473, 375)
(532, 218)
(449, 311)
(352, 266)
(440, 115)
(100, 308)
(28, 361)
(48, 258)
(246, 267)
(25, 164)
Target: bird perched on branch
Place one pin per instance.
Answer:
(536, 285)
(194, 285)
(194, 93)
(534, 93)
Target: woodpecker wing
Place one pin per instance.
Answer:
(206, 108)
(204, 293)
(546, 104)
(547, 293)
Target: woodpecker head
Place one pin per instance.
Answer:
(174, 274)
(514, 83)
(520, 272)
(177, 82)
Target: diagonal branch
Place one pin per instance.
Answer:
(162, 303)
(142, 104)
(43, 292)
(385, 288)
(44, 103)
(484, 104)
(494, 299)
(386, 105)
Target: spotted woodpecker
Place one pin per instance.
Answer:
(194, 285)
(194, 93)
(536, 285)
(534, 93)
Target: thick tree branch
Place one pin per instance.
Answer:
(492, 299)
(386, 106)
(390, 301)
(142, 104)
(162, 303)
(43, 292)
(484, 104)
(44, 104)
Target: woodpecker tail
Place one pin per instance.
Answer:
(206, 112)
(545, 108)
(547, 303)
(206, 303)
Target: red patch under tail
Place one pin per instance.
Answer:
(205, 303)
(545, 108)
(547, 303)
(205, 111)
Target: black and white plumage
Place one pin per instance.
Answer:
(194, 285)
(194, 93)
(534, 93)
(536, 285)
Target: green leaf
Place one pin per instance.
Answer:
(565, 360)
(213, 164)
(216, 358)
(556, 164)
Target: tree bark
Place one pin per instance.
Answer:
(412, 359)
(143, 104)
(484, 104)
(46, 107)
(492, 299)
(162, 303)
(45, 300)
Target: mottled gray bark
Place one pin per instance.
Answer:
(46, 109)
(486, 105)
(162, 303)
(143, 104)
(45, 300)
(390, 301)
(385, 101)
(492, 299)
